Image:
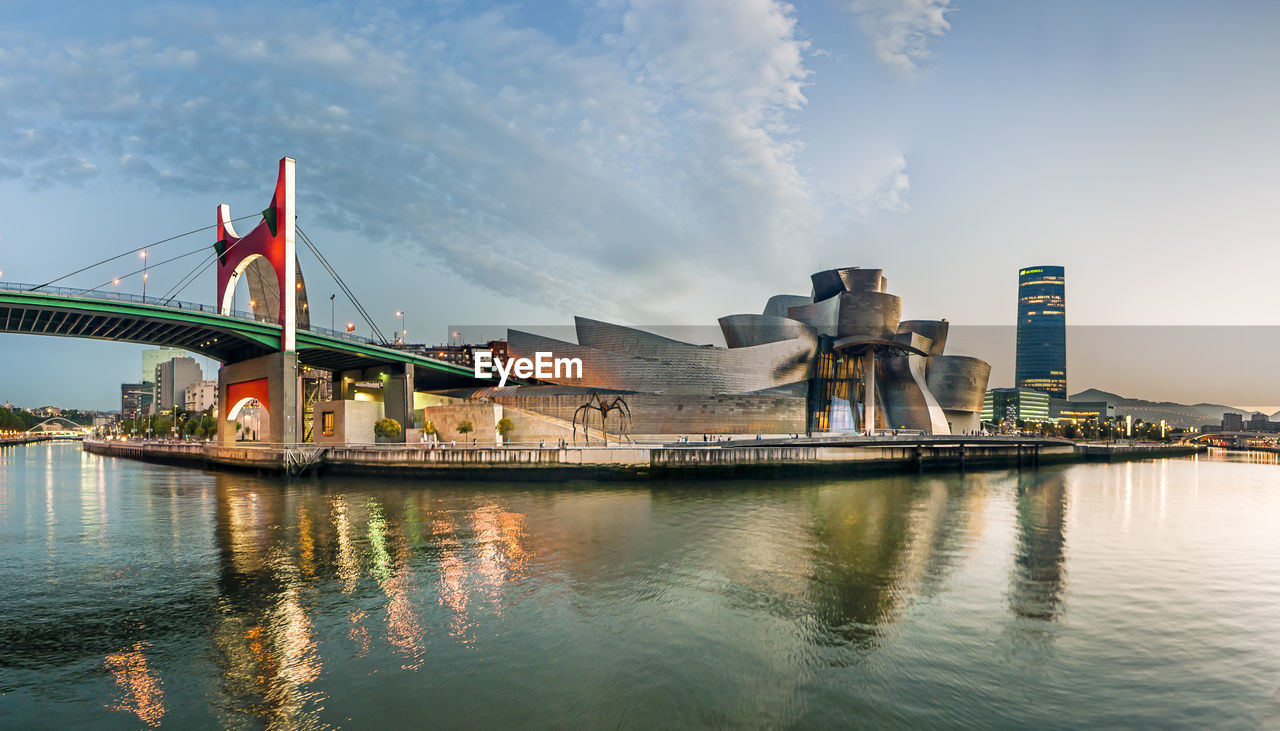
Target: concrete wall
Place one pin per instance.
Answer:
(352, 421)
(683, 414)
(483, 416)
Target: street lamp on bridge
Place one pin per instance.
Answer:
(143, 254)
(401, 339)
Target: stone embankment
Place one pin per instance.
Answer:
(756, 457)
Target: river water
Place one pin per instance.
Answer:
(1139, 594)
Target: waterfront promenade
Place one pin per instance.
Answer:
(764, 457)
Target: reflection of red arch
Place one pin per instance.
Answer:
(273, 240)
(239, 393)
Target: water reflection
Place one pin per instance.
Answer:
(1039, 573)
(226, 600)
(140, 691)
(264, 638)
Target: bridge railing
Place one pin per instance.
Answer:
(101, 294)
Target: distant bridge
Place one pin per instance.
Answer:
(44, 427)
(1268, 441)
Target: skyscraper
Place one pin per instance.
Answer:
(1042, 331)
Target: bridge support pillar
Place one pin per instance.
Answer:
(273, 380)
(397, 398)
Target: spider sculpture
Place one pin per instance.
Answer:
(596, 402)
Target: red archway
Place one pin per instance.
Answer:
(273, 239)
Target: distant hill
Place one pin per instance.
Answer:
(1152, 411)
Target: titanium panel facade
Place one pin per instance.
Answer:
(935, 330)
(741, 331)
(822, 316)
(871, 315)
(780, 303)
(673, 367)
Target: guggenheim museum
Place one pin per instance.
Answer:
(838, 360)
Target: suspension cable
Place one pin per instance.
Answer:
(364, 314)
(200, 268)
(145, 269)
(134, 251)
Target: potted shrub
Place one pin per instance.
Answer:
(386, 430)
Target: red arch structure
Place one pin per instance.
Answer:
(273, 239)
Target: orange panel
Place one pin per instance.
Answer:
(257, 388)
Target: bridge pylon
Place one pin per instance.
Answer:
(267, 257)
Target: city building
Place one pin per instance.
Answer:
(836, 361)
(134, 398)
(1042, 331)
(1080, 411)
(200, 395)
(464, 354)
(152, 357)
(1022, 404)
(172, 378)
(1232, 421)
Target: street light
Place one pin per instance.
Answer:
(400, 314)
(331, 319)
(143, 254)
(114, 283)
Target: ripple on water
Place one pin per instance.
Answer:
(1137, 594)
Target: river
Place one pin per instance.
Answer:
(1138, 594)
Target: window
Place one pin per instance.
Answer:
(326, 423)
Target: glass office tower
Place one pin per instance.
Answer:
(1042, 331)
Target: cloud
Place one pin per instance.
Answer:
(886, 191)
(901, 31)
(63, 169)
(620, 173)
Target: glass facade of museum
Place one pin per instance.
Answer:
(1042, 331)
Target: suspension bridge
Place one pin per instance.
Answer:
(261, 350)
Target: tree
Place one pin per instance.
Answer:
(505, 426)
(191, 426)
(429, 428)
(199, 432)
(465, 428)
(387, 429)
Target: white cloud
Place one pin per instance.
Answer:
(63, 169)
(901, 31)
(618, 174)
(886, 192)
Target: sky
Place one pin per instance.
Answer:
(659, 162)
